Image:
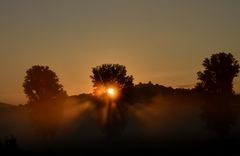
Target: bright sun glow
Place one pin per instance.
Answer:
(110, 91)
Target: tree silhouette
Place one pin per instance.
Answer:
(111, 75)
(45, 98)
(111, 113)
(217, 78)
(41, 84)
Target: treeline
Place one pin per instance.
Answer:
(220, 69)
(114, 91)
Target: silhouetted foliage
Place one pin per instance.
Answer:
(220, 70)
(41, 84)
(45, 97)
(111, 74)
(146, 92)
(112, 113)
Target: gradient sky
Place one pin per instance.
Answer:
(163, 41)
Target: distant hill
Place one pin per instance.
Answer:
(144, 92)
(5, 105)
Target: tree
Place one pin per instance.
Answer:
(111, 75)
(46, 98)
(217, 78)
(41, 84)
(111, 112)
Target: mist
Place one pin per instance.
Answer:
(175, 118)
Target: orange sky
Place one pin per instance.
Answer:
(160, 41)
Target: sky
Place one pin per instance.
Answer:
(163, 41)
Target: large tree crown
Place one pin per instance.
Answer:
(108, 74)
(41, 83)
(219, 73)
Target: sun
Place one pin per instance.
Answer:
(107, 92)
(110, 91)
